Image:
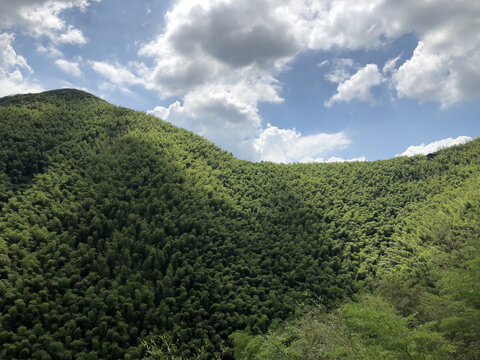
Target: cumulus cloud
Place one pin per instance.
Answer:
(234, 34)
(445, 65)
(223, 50)
(50, 50)
(221, 58)
(163, 112)
(432, 147)
(41, 18)
(14, 83)
(71, 36)
(13, 69)
(225, 117)
(358, 86)
(8, 57)
(289, 145)
(69, 67)
(230, 126)
(117, 74)
(341, 70)
(237, 126)
(430, 75)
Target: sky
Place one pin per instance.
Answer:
(267, 80)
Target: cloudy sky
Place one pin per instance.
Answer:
(277, 80)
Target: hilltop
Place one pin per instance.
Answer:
(117, 227)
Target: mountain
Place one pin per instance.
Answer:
(117, 228)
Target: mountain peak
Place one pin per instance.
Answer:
(65, 94)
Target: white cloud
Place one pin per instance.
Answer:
(117, 74)
(358, 86)
(12, 80)
(68, 85)
(445, 66)
(221, 44)
(69, 67)
(334, 159)
(71, 36)
(287, 145)
(390, 65)
(162, 112)
(106, 88)
(243, 136)
(50, 50)
(14, 83)
(221, 58)
(204, 39)
(434, 146)
(40, 18)
(8, 57)
(226, 117)
(323, 63)
(431, 75)
(341, 70)
(234, 34)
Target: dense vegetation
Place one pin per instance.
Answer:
(423, 304)
(116, 227)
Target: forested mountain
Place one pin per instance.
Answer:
(118, 228)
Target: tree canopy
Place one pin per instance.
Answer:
(117, 229)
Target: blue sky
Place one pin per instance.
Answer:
(284, 81)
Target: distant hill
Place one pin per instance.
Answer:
(117, 227)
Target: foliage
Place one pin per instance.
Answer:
(365, 330)
(424, 301)
(168, 350)
(116, 227)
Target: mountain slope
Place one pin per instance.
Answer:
(424, 302)
(116, 226)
